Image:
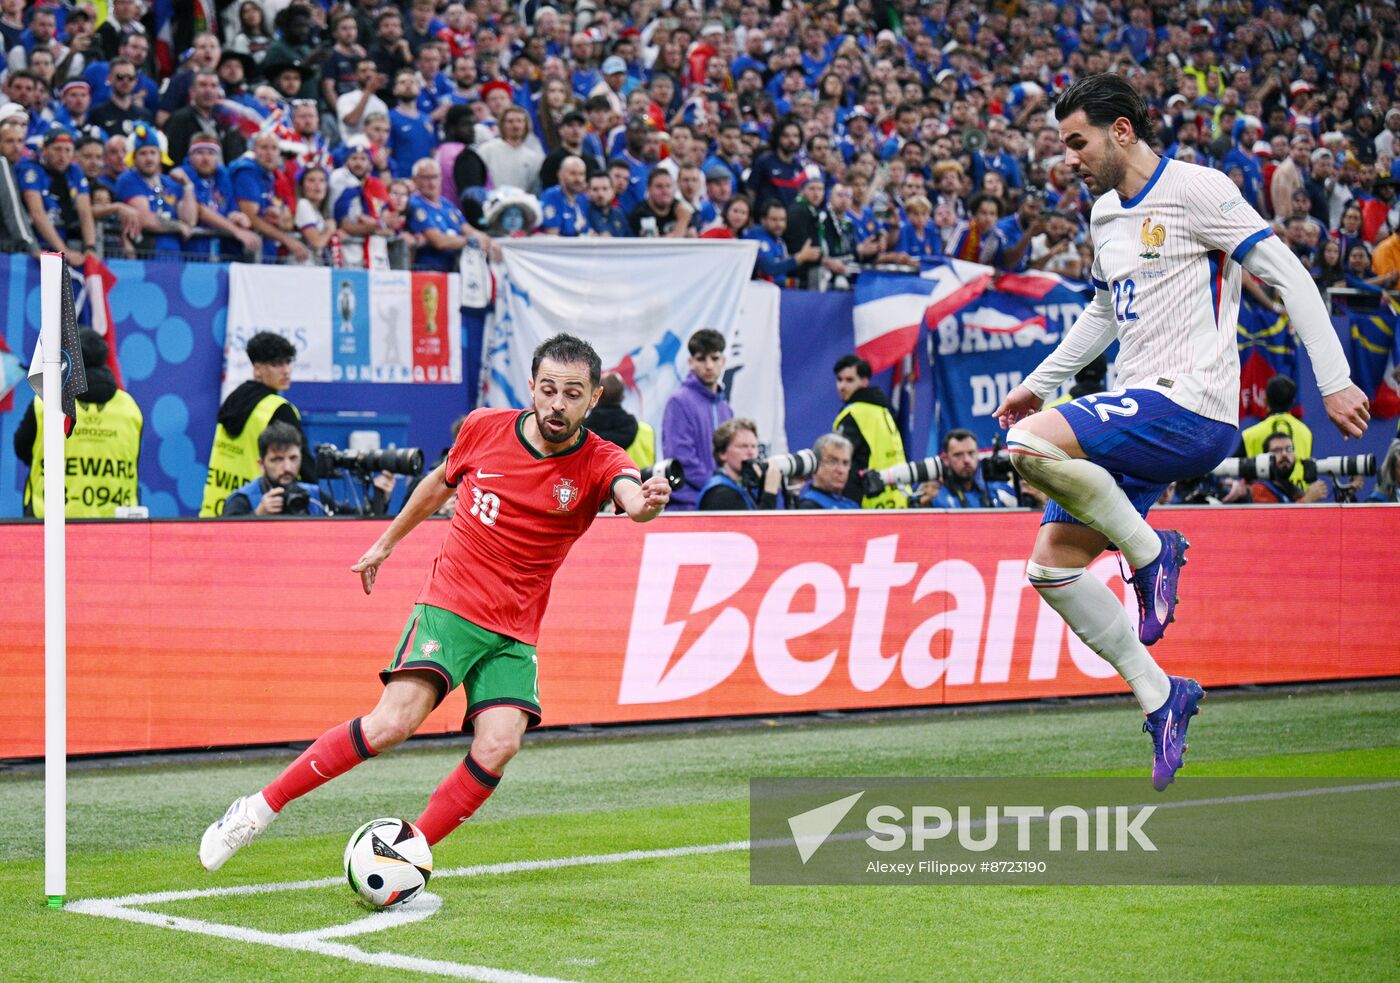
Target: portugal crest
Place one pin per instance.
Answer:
(565, 494)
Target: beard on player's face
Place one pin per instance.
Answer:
(566, 430)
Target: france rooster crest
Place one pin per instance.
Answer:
(565, 494)
(1153, 237)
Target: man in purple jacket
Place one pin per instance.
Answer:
(692, 413)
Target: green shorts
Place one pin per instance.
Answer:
(495, 669)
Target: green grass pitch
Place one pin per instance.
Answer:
(691, 916)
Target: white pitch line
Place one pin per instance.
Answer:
(317, 940)
(301, 943)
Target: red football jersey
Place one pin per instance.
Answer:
(517, 516)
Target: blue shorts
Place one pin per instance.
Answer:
(1145, 441)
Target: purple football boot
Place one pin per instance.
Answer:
(1155, 585)
(1167, 726)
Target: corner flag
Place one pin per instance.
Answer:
(74, 375)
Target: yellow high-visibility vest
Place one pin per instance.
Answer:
(233, 461)
(100, 459)
(881, 435)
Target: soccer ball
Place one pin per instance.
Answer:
(387, 862)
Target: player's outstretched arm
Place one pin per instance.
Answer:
(1271, 261)
(643, 502)
(1093, 331)
(431, 494)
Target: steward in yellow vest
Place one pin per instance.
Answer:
(1279, 395)
(613, 423)
(868, 424)
(100, 454)
(245, 414)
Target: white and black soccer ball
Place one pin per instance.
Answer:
(388, 862)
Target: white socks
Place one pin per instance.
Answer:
(1095, 614)
(1087, 492)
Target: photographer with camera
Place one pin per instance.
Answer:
(1280, 394)
(245, 414)
(965, 483)
(1279, 486)
(827, 488)
(277, 492)
(740, 483)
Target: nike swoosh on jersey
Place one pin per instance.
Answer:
(481, 474)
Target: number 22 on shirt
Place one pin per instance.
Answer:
(1123, 291)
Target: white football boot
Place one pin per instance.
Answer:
(245, 819)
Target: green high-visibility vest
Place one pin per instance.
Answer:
(233, 461)
(100, 459)
(881, 434)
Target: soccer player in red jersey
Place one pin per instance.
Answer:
(530, 483)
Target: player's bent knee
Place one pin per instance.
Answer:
(386, 728)
(494, 747)
(1032, 454)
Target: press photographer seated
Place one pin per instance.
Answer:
(825, 490)
(739, 483)
(1279, 485)
(277, 492)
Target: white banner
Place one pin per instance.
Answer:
(637, 301)
(346, 325)
(753, 375)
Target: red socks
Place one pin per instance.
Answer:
(460, 794)
(344, 746)
(334, 753)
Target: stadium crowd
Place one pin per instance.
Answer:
(836, 135)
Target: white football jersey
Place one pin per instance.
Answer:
(1169, 259)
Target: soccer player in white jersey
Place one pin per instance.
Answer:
(1170, 242)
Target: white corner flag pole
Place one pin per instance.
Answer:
(51, 272)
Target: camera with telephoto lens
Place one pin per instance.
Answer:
(1265, 467)
(332, 462)
(673, 470)
(799, 464)
(909, 473)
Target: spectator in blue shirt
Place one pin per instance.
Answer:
(994, 157)
(73, 113)
(562, 207)
(603, 217)
(254, 193)
(136, 48)
(639, 160)
(1018, 229)
(57, 196)
(919, 240)
(217, 213)
(964, 486)
(411, 134)
(165, 203)
(441, 227)
(779, 174)
(774, 263)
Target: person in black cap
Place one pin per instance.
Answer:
(573, 127)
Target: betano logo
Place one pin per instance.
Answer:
(1101, 829)
(726, 618)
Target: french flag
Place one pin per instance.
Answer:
(890, 308)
